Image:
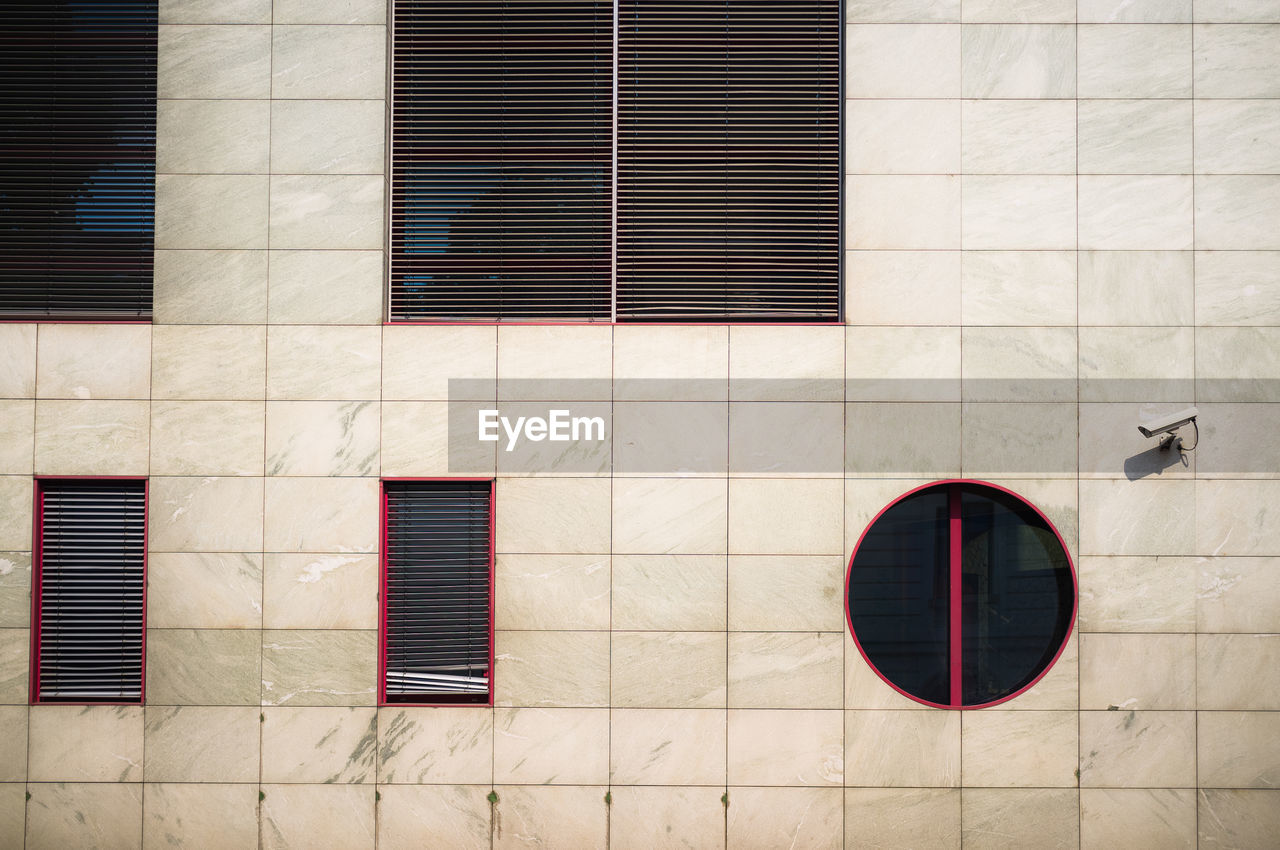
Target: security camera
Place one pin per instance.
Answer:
(1168, 423)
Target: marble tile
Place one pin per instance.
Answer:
(1138, 749)
(320, 592)
(1019, 212)
(1028, 288)
(329, 12)
(902, 60)
(809, 818)
(328, 667)
(1237, 288)
(203, 667)
(1135, 136)
(1238, 672)
(212, 136)
(902, 11)
(863, 686)
(1237, 137)
(1238, 749)
(903, 438)
(340, 211)
(667, 746)
(549, 817)
(902, 817)
(211, 211)
(1019, 748)
(1045, 818)
(18, 349)
(902, 288)
(669, 515)
(1137, 517)
(1019, 439)
(1145, 818)
(345, 62)
(207, 437)
(785, 516)
(204, 514)
(464, 354)
(551, 746)
(454, 816)
(902, 137)
(319, 362)
(1019, 61)
(416, 441)
(215, 11)
(786, 670)
(1019, 364)
(322, 438)
(428, 745)
(325, 287)
(1238, 440)
(553, 592)
(15, 589)
(786, 747)
(204, 591)
(667, 670)
(327, 136)
(204, 815)
(210, 287)
(546, 668)
(325, 745)
(1137, 364)
(1232, 517)
(194, 743)
(1019, 137)
(665, 437)
(565, 363)
(1019, 11)
(903, 364)
(1238, 818)
(1236, 11)
(902, 748)
(93, 361)
(1136, 288)
(317, 817)
(902, 212)
(545, 515)
(1141, 213)
(1134, 11)
(330, 515)
(1149, 594)
(13, 813)
(763, 437)
(679, 362)
(1237, 212)
(1237, 364)
(660, 818)
(1147, 61)
(222, 62)
(1237, 61)
(669, 592)
(1059, 688)
(1238, 595)
(91, 437)
(17, 436)
(208, 363)
(786, 593)
(92, 814)
(14, 666)
(85, 743)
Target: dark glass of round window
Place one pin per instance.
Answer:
(961, 594)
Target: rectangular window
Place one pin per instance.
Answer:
(77, 158)
(437, 591)
(89, 593)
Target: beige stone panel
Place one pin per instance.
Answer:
(901, 288)
(212, 136)
(318, 362)
(1237, 137)
(667, 747)
(330, 667)
(325, 287)
(902, 748)
(334, 591)
(1138, 749)
(1137, 517)
(13, 745)
(786, 747)
(657, 437)
(1059, 689)
(675, 362)
(210, 287)
(1110, 445)
(329, 12)
(786, 593)
(667, 817)
(1135, 212)
(322, 438)
(13, 813)
(14, 666)
(1019, 748)
(215, 11)
(1238, 672)
(203, 815)
(416, 441)
(317, 817)
(551, 746)
(902, 60)
(1137, 61)
(1023, 288)
(808, 818)
(91, 437)
(89, 743)
(196, 743)
(551, 668)
(1237, 364)
(889, 818)
(665, 515)
(208, 363)
(1232, 517)
(1138, 818)
(556, 363)
(321, 515)
(1019, 364)
(786, 670)
(1137, 364)
(326, 745)
(327, 211)
(902, 11)
(205, 514)
(1137, 671)
(763, 438)
(1238, 749)
(1057, 499)
(1019, 11)
(903, 364)
(1019, 61)
(549, 817)
(1238, 818)
(1237, 61)
(918, 438)
(17, 437)
(902, 137)
(204, 591)
(544, 515)
(552, 592)
(1234, 595)
(1237, 288)
(328, 62)
(1236, 11)
(1136, 288)
(669, 592)
(785, 516)
(418, 362)
(455, 816)
(668, 669)
(211, 211)
(94, 814)
(1019, 212)
(1134, 11)
(1019, 439)
(203, 667)
(902, 211)
(1135, 136)
(1237, 212)
(214, 62)
(327, 136)
(1011, 818)
(207, 437)
(88, 361)
(15, 589)
(18, 350)
(441, 744)
(1019, 137)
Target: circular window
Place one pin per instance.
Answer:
(960, 594)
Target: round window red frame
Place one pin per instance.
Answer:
(954, 621)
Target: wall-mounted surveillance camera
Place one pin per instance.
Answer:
(1168, 423)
